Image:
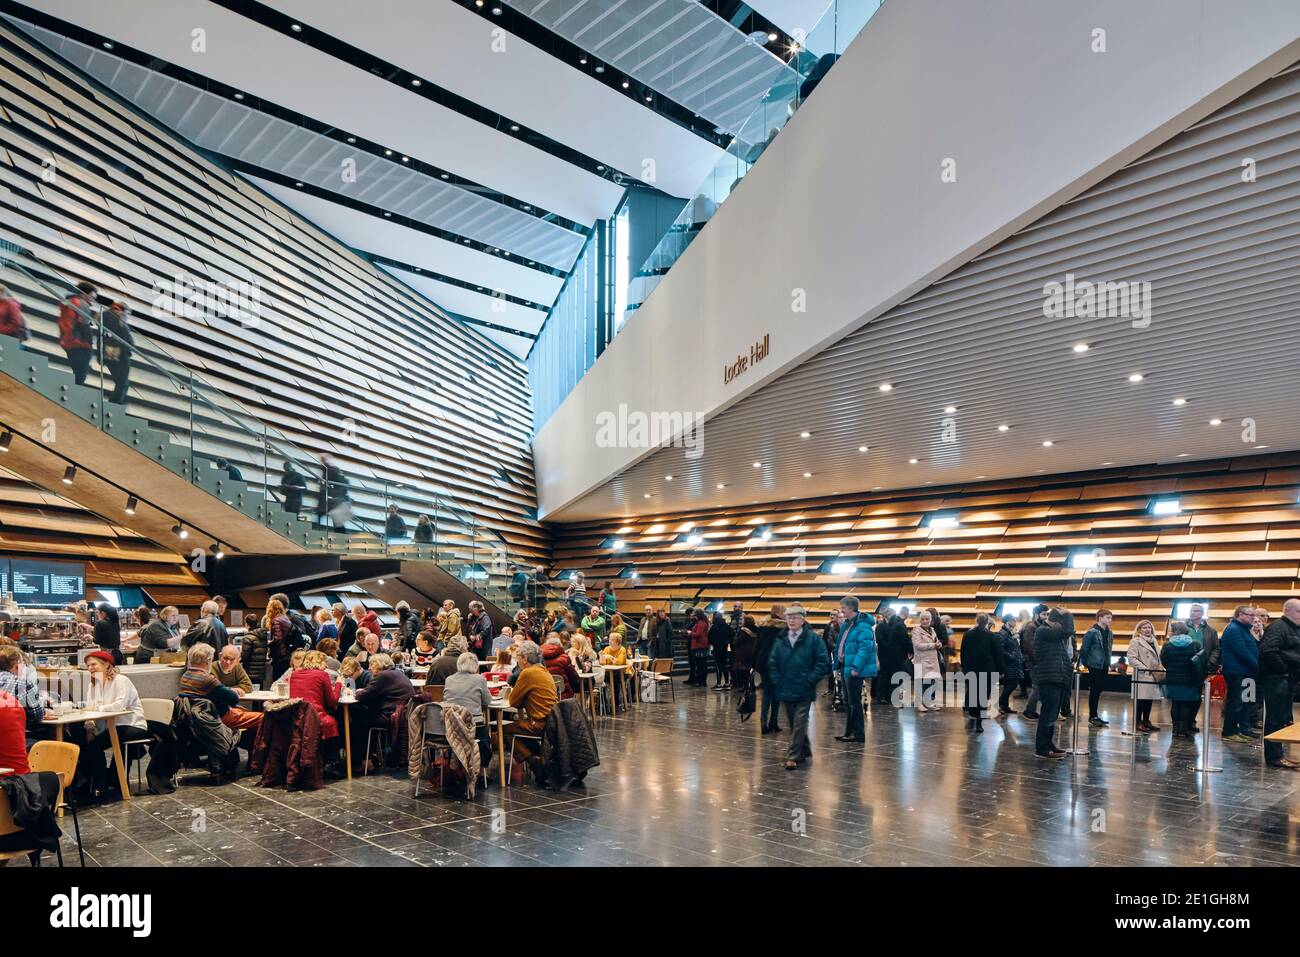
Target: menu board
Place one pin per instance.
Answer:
(43, 584)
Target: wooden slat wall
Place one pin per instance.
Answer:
(1236, 541)
(104, 194)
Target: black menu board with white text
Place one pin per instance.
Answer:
(43, 584)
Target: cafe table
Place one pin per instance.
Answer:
(258, 695)
(501, 706)
(638, 664)
(59, 721)
(615, 672)
(587, 688)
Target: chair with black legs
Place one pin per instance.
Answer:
(60, 757)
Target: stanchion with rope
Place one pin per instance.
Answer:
(1074, 733)
(1204, 764)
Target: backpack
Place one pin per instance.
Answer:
(297, 635)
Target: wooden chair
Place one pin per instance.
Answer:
(435, 692)
(661, 670)
(7, 826)
(61, 758)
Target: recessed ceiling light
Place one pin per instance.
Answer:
(1180, 401)
(1004, 428)
(1081, 347)
(406, 159)
(758, 465)
(1047, 443)
(912, 461)
(442, 176)
(949, 409)
(415, 82)
(1216, 422)
(804, 435)
(478, 3)
(583, 61)
(388, 152)
(514, 127)
(387, 215)
(668, 478)
(1136, 377)
(297, 184)
(647, 97)
(807, 474)
(496, 11)
(296, 27)
(600, 68)
(886, 387)
(721, 485)
(600, 167)
(1182, 455)
(1261, 446)
(108, 44)
(647, 495)
(239, 96)
(862, 448)
(626, 84)
(352, 139)
(1107, 463)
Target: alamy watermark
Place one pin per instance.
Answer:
(622, 428)
(194, 298)
(1084, 299)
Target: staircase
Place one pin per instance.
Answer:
(197, 459)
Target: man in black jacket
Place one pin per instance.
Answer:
(1279, 670)
(893, 645)
(1053, 673)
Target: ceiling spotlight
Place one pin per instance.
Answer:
(758, 465)
(352, 139)
(1047, 443)
(721, 486)
(600, 68)
(807, 474)
(626, 84)
(1081, 347)
(387, 215)
(443, 176)
(771, 38)
(647, 495)
(296, 27)
(694, 538)
(6, 437)
(215, 549)
(912, 461)
(379, 581)
(1136, 377)
(766, 535)
(496, 11)
(886, 387)
(668, 478)
(862, 448)
(617, 544)
(415, 82)
(804, 435)
(478, 3)
(69, 474)
(1216, 422)
(949, 409)
(298, 184)
(108, 44)
(180, 531)
(131, 503)
(406, 159)
(647, 97)
(1004, 428)
(600, 167)
(583, 61)
(239, 96)
(1180, 401)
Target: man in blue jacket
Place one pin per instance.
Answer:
(855, 658)
(797, 664)
(1239, 658)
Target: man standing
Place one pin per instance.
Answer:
(478, 629)
(855, 657)
(1027, 631)
(1202, 632)
(831, 639)
(662, 639)
(208, 630)
(797, 666)
(1239, 656)
(737, 616)
(893, 644)
(1095, 656)
(1053, 666)
(1279, 670)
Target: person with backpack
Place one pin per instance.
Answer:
(77, 330)
(304, 632)
(279, 630)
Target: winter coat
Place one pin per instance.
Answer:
(252, 655)
(981, 652)
(76, 331)
(1054, 651)
(559, 665)
(1027, 631)
(1279, 649)
(1209, 640)
(408, 626)
(1013, 658)
(316, 688)
(32, 798)
(925, 652)
(893, 645)
(699, 636)
(383, 692)
(855, 652)
(287, 750)
(662, 645)
(199, 731)
(449, 627)
(370, 621)
(12, 322)
(1144, 661)
(768, 632)
(742, 649)
(478, 634)
(719, 635)
(1182, 659)
(1097, 645)
(568, 744)
(1238, 650)
(796, 671)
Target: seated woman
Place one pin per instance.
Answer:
(469, 689)
(582, 654)
(559, 665)
(615, 656)
(350, 674)
(425, 649)
(329, 647)
(313, 684)
(377, 701)
(109, 691)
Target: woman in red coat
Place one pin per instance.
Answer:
(559, 665)
(313, 684)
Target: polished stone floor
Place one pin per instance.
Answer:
(687, 783)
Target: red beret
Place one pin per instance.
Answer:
(106, 656)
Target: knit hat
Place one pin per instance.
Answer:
(104, 656)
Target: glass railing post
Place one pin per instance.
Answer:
(194, 471)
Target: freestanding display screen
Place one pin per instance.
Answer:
(43, 584)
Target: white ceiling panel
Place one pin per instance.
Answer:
(475, 305)
(792, 15)
(395, 241)
(517, 345)
(456, 49)
(285, 71)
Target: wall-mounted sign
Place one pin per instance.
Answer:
(757, 353)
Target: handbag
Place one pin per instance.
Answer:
(748, 701)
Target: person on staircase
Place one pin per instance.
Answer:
(77, 329)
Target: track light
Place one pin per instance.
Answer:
(180, 531)
(215, 549)
(5, 438)
(69, 475)
(131, 503)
